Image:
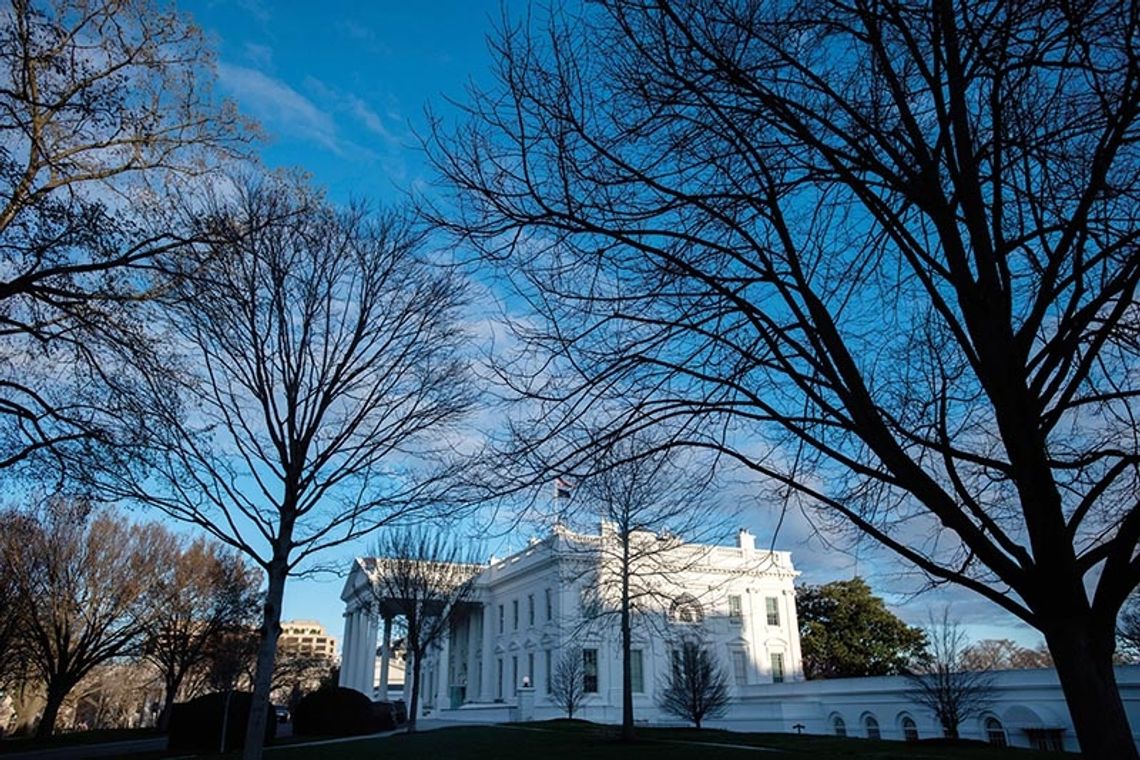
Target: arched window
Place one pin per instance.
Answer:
(995, 732)
(686, 609)
(909, 728)
(838, 726)
(871, 727)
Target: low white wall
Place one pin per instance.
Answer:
(1021, 699)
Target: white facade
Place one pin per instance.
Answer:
(737, 601)
(559, 593)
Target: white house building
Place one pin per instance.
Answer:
(558, 595)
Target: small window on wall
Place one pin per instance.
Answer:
(740, 667)
(686, 609)
(735, 613)
(549, 605)
(838, 727)
(636, 671)
(909, 728)
(778, 667)
(871, 726)
(502, 617)
(773, 607)
(590, 671)
(995, 732)
(530, 609)
(514, 614)
(500, 689)
(549, 671)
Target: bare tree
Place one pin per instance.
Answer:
(1004, 654)
(696, 687)
(106, 107)
(209, 590)
(838, 243)
(89, 590)
(943, 680)
(326, 371)
(568, 682)
(654, 509)
(422, 574)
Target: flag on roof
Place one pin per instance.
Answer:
(562, 488)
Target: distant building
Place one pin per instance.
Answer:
(306, 638)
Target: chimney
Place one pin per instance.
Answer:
(745, 540)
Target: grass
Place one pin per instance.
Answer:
(551, 740)
(77, 738)
(562, 739)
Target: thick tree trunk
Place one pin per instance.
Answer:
(1083, 660)
(56, 693)
(171, 686)
(413, 706)
(266, 657)
(627, 732)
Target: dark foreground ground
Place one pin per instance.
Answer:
(574, 739)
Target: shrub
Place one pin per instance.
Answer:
(197, 724)
(401, 711)
(335, 711)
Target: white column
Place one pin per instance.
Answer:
(471, 692)
(346, 651)
(488, 685)
(369, 670)
(442, 692)
(358, 679)
(385, 657)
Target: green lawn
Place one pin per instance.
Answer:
(101, 736)
(578, 739)
(540, 741)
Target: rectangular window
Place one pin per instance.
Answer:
(549, 670)
(549, 605)
(740, 667)
(530, 669)
(777, 667)
(636, 671)
(514, 674)
(773, 605)
(735, 615)
(500, 690)
(515, 614)
(501, 618)
(530, 609)
(590, 671)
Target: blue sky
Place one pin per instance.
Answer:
(340, 89)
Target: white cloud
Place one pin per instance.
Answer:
(279, 107)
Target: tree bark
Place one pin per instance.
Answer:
(172, 684)
(1083, 657)
(413, 706)
(627, 732)
(266, 656)
(56, 693)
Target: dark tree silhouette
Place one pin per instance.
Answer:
(883, 254)
(89, 589)
(568, 681)
(323, 376)
(422, 574)
(943, 681)
(696, 687)
(655, 510)
(209, 591)
(104, 108)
